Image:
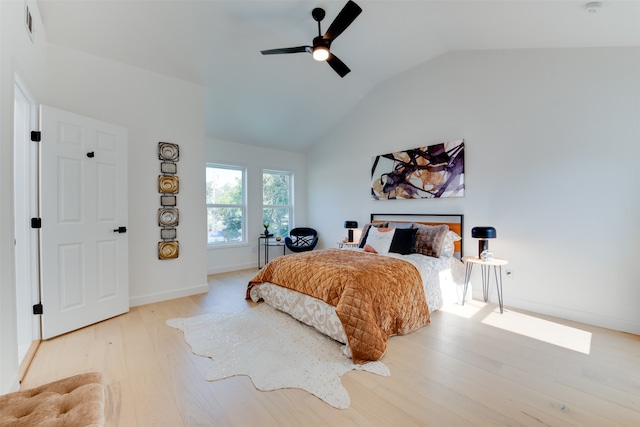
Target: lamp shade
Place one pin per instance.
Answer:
(483, 233)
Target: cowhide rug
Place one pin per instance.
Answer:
(274, 350)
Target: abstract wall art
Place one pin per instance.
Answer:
(434, 171)
(168, 187)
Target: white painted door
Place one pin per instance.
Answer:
(83, 205)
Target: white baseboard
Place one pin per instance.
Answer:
(167, 295)
(594, 319)
(229, 268)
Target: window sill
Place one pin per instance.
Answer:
(227, 246)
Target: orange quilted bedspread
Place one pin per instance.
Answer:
(375, 296)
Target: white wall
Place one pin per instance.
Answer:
(18, 54)
(255, 159)
(153, 108)
(552, 152)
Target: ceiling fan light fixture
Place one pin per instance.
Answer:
(320, 53)
(319, 49)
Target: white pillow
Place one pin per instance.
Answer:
(379, 241)
(448, 246)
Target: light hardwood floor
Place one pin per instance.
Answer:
(470, 367)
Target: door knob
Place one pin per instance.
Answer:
(120, 230)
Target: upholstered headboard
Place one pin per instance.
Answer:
(455, 222)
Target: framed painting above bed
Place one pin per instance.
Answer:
(429, 172)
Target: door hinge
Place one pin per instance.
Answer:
(36, 135)
(37, 308)
(36, 222)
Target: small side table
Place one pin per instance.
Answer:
(343, 245)
(267, 242)
(496, 263)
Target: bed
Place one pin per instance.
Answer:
(406, 267)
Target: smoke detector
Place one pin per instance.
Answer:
(593, 7)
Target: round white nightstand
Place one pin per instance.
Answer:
(496, 263)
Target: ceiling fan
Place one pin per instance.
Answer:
(321, 44)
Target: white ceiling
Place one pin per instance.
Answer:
(289, 101)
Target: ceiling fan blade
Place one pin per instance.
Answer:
(296, 49)
(337, 65)
(347, 15)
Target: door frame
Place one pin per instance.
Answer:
(26, 206)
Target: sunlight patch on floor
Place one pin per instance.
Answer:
(542, 330)
(468, 310)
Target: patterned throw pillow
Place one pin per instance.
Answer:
(429, 239)
(379, 240)
(365, 232)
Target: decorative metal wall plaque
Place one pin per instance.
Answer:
(168, 168)
(168, 186)
(168, 217)
(168, 233)
(168, 152)
(168, 250)
(168, 200)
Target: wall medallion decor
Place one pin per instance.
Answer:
(168, 152)
(168, 214)
(168, 250)
(427, 172)
(168, 217)
(168, 200)
(168, 233)
(168, 184)
(170, 168)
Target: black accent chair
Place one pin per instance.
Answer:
(302, 239)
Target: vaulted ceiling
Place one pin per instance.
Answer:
(289, 101)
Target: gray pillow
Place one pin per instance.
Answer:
(400, 225)
(429, 239)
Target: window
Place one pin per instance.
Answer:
(226, 207)
(277, 203)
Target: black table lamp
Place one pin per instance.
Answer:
(350, 225)
(483, 233)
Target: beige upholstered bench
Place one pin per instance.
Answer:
(77, 401)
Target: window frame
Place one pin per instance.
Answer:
(242, 206)
(290, 206)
